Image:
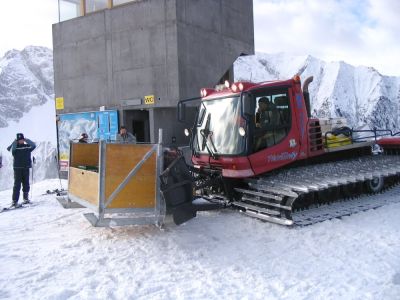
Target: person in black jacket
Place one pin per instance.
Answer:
(83, 138)
(21, 149)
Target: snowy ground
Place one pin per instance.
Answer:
(48, 252)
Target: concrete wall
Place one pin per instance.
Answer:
(80, 68)
(166, 48)
(211, 35)
(144, 52)
(120, 54)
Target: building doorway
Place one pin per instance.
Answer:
(139, 130)
(137, 122)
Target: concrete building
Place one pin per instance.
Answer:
(121, 56)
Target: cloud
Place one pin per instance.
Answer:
(386, 13)
(27, 22)
(359, 32)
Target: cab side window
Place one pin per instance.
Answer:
(272, 118)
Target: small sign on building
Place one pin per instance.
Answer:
(149, 99)
(59, 103)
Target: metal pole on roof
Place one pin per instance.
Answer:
(59, 15)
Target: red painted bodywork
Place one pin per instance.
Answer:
(292, 148)
(301, 142)
(390, 143)
(236, 167)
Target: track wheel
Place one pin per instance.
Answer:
(375, 185)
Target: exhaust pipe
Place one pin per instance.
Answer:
(306, 94)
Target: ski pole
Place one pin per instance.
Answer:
(58, 172)
(32, 180)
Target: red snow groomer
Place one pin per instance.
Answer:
(256, 147)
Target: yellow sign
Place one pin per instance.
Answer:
(149, 99)
(64, 156)
(60, 103)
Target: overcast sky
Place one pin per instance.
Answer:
(359, 32)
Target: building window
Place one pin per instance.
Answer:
(69, 9)
(118, 2)
(95, 5)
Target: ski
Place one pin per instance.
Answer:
(21, 205)
(58, 192)
(4, 209)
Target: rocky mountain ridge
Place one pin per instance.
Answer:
(26, 80)
(360, 94)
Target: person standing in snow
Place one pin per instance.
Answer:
(125, 137)
(21, 150)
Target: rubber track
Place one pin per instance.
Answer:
(291, 184)
(346, 208)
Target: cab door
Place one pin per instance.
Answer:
(275, 140)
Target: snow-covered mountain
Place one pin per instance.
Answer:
(26, 80)
(27, 106)
(360, 94)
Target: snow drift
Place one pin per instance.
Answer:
(54, 253)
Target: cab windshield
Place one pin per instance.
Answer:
(217, 128)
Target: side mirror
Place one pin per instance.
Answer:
(181, 112)
(247, 104)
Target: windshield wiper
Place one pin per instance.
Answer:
(206, 133)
